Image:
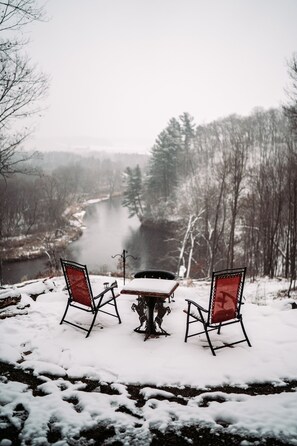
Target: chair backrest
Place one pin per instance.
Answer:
(226, 295)
(78, 283)
(155, 274)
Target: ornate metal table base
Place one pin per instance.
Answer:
(146, 307)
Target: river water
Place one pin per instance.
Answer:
(108, 231)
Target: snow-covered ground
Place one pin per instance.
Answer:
(61, 356)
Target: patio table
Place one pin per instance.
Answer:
(151, 296)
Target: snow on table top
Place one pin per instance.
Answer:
(144, 285)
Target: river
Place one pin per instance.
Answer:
(108, 231)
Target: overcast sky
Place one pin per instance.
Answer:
(120, 69)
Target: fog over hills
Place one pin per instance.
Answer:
(82, 144)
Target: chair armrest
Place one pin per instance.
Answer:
(196, 305)
(110, 288)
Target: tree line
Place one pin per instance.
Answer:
(36, 203)
(40, 202)
(229, 186)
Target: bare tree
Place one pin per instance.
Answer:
(18, 13)
(291, 112)
(21, 84)
(189, 238)
(234, 137)
(292, 220)
(291, 108)
(216, 218)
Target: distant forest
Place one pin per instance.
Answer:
(227, 190)
(228, 187)
(54, 182)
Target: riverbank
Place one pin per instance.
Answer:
(106, 229)
(33, 246)
(38, 245)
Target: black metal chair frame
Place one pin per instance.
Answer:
(155, 274)
(205, 316)
(96, 302)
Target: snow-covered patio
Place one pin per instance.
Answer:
(114, 354)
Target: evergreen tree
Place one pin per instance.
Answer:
(171, 163)
(162, 176)
(186, 159)
(133, 192)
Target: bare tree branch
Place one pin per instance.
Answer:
(15, 14)
(22, 86)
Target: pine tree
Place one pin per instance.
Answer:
(163, 173)
(186, 161)
(133, 192)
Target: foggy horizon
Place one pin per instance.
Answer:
(120, 70)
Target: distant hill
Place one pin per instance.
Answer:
(50, 160)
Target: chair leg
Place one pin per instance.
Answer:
(64, 315)
(116, 309)
(209, 341)
(96, 312)
(187, 325)
(244, 332)
(92, 324)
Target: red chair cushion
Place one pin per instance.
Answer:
(225, 299)
(78, 286)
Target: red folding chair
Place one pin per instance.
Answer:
(224, 306)
(81, 296)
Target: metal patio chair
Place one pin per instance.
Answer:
(224, 306)
(81, 295)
